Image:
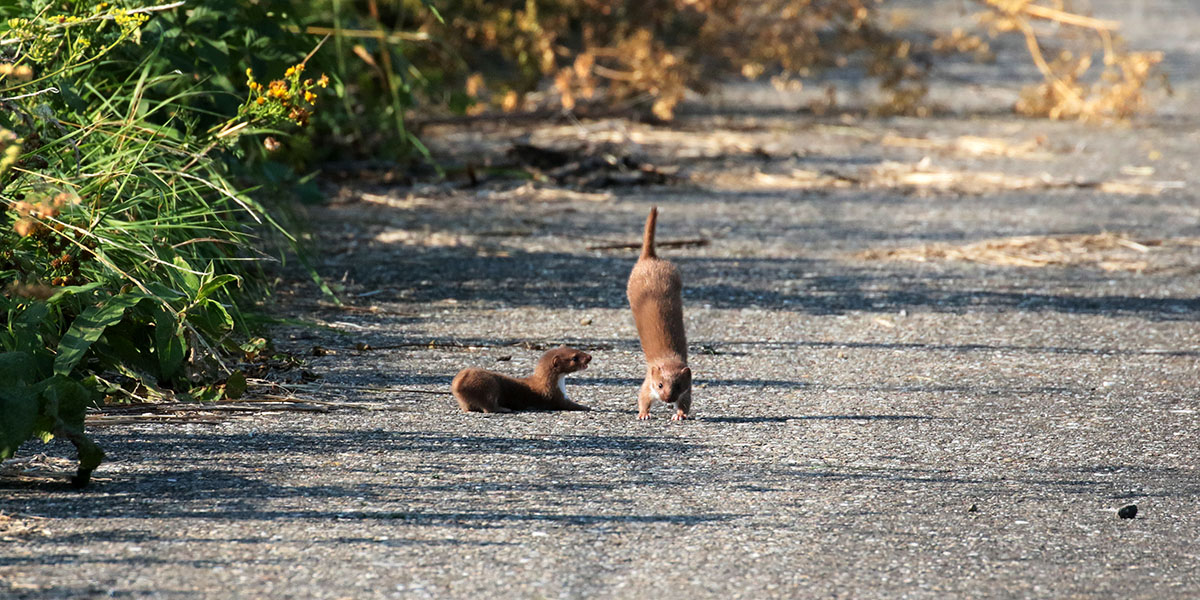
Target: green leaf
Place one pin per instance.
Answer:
(169, 343)
(191, 283)
(208, 393)
(134, 357)
(18, 401)
(71, 290)
(214, 52)
(18, 368)
(88, 327)
(65, 406)
(19, 408)
(69, 399)
(27, 328)
(235, 386)
(254, 345)
(201, 14)
(433, 10)
(164, 291)
(212, 319)
(214, 284)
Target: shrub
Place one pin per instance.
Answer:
(128, 226)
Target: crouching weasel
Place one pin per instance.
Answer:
(483, 391)
(654, 295)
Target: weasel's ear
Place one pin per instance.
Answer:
(556, 361)
(686, 371)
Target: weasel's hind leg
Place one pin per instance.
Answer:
(477, 391)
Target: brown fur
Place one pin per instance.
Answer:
(483, 391)
(654, 292)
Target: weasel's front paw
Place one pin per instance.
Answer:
(644, 416)
(679, 417)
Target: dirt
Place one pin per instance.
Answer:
(864, 427)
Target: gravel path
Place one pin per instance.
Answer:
(864, 428)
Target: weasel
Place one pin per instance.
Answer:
(483, 391)
(654, 295)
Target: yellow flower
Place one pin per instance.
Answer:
(323, 81)
(309, 96)
(261, 101)
(249, 72)
(289, 71)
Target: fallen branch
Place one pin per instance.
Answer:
(689, 243)
(289, 389)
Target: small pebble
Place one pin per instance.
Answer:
(1127, 512)
(974, 508)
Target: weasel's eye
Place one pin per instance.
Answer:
(660, 385)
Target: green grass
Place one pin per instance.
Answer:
(131, 239)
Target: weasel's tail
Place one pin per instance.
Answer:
(648, 237)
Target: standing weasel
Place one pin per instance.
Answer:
(654, 295)
(483, 391)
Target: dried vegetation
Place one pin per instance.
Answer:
(652, 54)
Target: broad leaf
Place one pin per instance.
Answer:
(212, 319)
(189, 281)
(17, 368)
(235, 386)
(70, 399)
(88, 327)
(27, 328)
(214, 284)
(169, 343)
(18, 401)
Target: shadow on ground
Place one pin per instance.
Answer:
(560, 280)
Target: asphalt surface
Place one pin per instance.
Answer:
(863, 428)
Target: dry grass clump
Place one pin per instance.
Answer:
(653, 52)
(1106, 251)
(1072, 87)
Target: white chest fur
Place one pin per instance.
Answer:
(562, 386)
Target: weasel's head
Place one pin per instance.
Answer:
(669, 380)
(566, 360)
